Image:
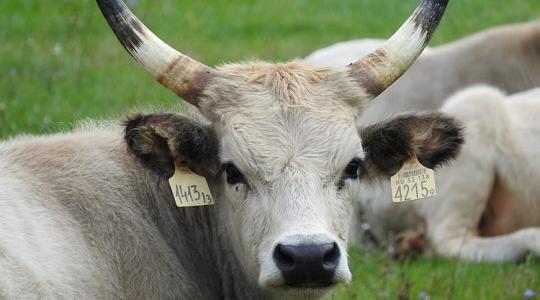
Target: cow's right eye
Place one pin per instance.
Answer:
(234, 176)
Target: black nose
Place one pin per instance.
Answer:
(307, 265)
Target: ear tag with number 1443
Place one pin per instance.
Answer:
(413, 182)
(190, 189)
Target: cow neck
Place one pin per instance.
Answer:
(201, 244)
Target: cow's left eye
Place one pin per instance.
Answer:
(353, 169)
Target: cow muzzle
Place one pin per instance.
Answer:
(307, 265)
(306, 261)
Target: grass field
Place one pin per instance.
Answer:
(60, 63)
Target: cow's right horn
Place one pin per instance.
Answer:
(181, 74)
(379, 69)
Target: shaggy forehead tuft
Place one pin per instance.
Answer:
(254, 84)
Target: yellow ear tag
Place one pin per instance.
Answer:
(190, 189)
(413, 182)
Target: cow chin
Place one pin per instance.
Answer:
(303, 265)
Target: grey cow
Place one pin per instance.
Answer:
(89, 214)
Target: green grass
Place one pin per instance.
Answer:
(60, 63)
(378, 277)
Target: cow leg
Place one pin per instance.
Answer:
(509, 247)
(409, 244)
(453, 220)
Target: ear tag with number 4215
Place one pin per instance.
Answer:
(413, 182)
(190, 189)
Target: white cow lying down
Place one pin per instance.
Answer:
(488, 202)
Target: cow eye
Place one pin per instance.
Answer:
(234, 175)
(353, 169)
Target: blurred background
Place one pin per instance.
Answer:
(60, 63)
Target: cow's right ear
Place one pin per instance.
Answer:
(159, 141)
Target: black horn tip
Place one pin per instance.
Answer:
(428, 15)
(127, 28)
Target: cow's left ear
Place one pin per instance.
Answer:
(434, 138)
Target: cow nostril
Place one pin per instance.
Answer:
(283, 259)
(331, 257)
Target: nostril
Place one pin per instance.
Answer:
(331, 257)
(284, 260)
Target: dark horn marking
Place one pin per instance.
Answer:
(428, 16)
(200, 80)
(162, 78)
(374, 60)
(191, 87)
(127, 28)
(370, 85)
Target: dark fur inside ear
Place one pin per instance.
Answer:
(159, 141)
(433, 137)
(386, 146)
(148, 147)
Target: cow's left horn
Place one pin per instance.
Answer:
(181, 74)
(378, 70)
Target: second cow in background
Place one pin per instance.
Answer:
(488, 201)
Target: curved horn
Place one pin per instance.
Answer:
(378, 70)
(179, 73)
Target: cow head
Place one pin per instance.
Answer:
(284, 141)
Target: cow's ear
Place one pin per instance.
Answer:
(434, 138)
(159, 141)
